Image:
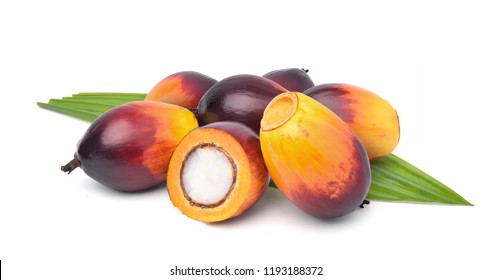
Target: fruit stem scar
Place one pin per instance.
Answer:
(72, 165)
(279, 111)
(365, 202)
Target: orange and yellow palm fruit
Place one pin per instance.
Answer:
(371, 117)
(217, 172)
(182, 88)
(313, 157)
(128, 148)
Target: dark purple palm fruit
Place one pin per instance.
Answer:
(293, 79)
(240, 98)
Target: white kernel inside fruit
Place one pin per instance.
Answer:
(207, 175)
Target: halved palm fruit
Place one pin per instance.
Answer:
(217, 172)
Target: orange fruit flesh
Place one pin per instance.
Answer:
(244, 189)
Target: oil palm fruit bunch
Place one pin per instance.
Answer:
(328, 148)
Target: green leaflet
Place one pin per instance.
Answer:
(88, 106)
(82, 105)
(396, 180)
(128, 95)
(393, 179)
(76, 113)
(101, 99)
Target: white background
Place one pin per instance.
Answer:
(430, 59)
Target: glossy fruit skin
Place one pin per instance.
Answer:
(371, 117)
(242, 144)
(128, 148)
(182, 88)
(293, 79)
(240, 98)
(315, 159)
